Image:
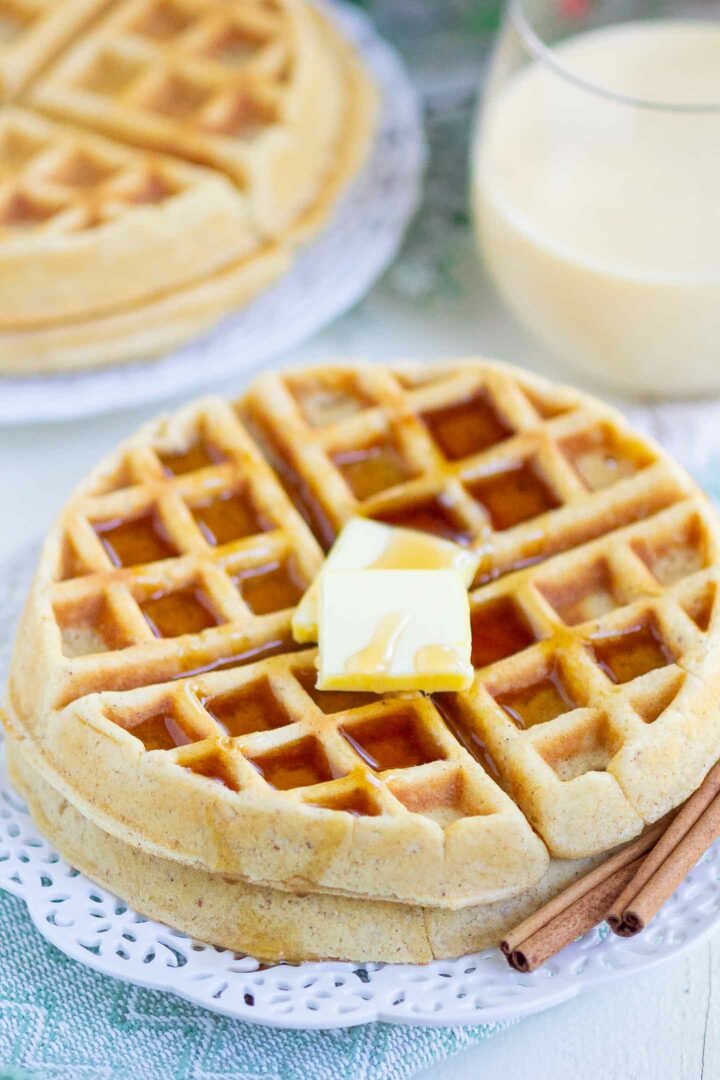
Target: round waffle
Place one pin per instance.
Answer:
(104, 237)
(266, 923)
(154, 666)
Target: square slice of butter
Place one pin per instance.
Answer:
(370, 545)
(386, 630)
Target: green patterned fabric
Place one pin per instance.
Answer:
(62, 1021)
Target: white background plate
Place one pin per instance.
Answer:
(92, 926)
(330, 275)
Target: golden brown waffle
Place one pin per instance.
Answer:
(266, 923)
(31, 31)
(146, 329)
(594, 626)
(76, 207)
(119, 247)
(255, 89)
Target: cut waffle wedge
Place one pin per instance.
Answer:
(256, 90)
(154, 666)
(194, 145)
(117, 223)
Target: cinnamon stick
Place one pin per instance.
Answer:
(571, 922)
(691, 833)
(575, 892)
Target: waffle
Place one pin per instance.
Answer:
(268, 924)
(32, 31)
(119, 246)
(142, 330)
(119, 223)
(593, 611)
(256, 90)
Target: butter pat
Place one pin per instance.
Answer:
(394, 630)
(370, 545)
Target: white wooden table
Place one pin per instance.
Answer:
(662, 1027)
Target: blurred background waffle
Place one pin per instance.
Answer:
(155, 656)
(228, 132)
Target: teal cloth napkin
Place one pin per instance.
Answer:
(62, 1021)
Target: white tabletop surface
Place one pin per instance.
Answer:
(664, 1026)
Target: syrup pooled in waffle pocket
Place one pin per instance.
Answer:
(193, 145)
(156, 685)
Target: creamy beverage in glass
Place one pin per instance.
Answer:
(596, 192)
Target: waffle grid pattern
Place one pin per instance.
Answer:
(161, 162)
(78, 207)
(54, 185)
(593, 613)
(32, 30)
(219, 524)
(225, 85)
(272, 730)
(172, 59)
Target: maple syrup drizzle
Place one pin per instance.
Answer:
(161, 732)
(498, 630)
(273, 587)
(389, 742)
(199, 455)
(291, 481)
(631, 653)
(331, 701)
(372, 469)
(538, 703)
(143, 539)
(227, 517)
(513, 495)
(214, 768)
(438, 660)
(247, 710)
(465, 735)
(414, 551)
(301, 765)
(377, 657)
(543, 547)
(184, 611)
(493, 573)
(431, 516)
(466, 427)
(194, 663)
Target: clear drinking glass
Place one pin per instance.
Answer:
(596, 186)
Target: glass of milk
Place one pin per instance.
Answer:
(596, 186)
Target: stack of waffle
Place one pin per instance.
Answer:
(160, 162)
(169, 735)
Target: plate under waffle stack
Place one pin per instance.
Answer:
(154, 667)
(195, 144)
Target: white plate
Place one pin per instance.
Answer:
(92, 926)
(328, 277)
